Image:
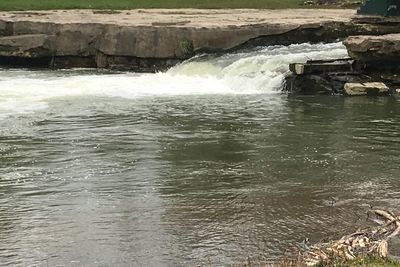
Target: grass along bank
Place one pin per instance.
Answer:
(8, 5)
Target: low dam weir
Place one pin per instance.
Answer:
(206, 163)
(156, 40)
(255, 71)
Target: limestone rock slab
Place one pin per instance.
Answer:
(369, 88)
(374, 48)
(30, 45)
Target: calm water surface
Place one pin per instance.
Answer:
(204, 164)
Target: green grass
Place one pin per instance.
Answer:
(132, 4)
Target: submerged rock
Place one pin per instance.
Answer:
(320, 84)
(322, 77)
(374, 69)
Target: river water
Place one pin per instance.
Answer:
(206, 164)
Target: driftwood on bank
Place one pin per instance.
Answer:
(368, 242)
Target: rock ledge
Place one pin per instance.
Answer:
(153, 40)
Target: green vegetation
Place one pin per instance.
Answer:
(132, 4)
(187, 47)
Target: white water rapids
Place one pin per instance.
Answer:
(205, 164)
(259, 71)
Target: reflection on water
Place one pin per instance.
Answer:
(191, 179)
(204, 164)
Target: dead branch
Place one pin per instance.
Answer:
(372, 241)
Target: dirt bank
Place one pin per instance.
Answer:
(197, 18)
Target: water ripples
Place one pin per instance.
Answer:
(95, 180)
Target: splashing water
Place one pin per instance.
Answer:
(258, 71)
(205, 164)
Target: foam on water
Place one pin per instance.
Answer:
(258, 71)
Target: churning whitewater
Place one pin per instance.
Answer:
(205, 164)
(257, 71)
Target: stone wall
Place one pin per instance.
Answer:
(31, 42)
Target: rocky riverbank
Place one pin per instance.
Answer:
(372, 69)
(153, 40)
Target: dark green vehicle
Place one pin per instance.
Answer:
(380, 8)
